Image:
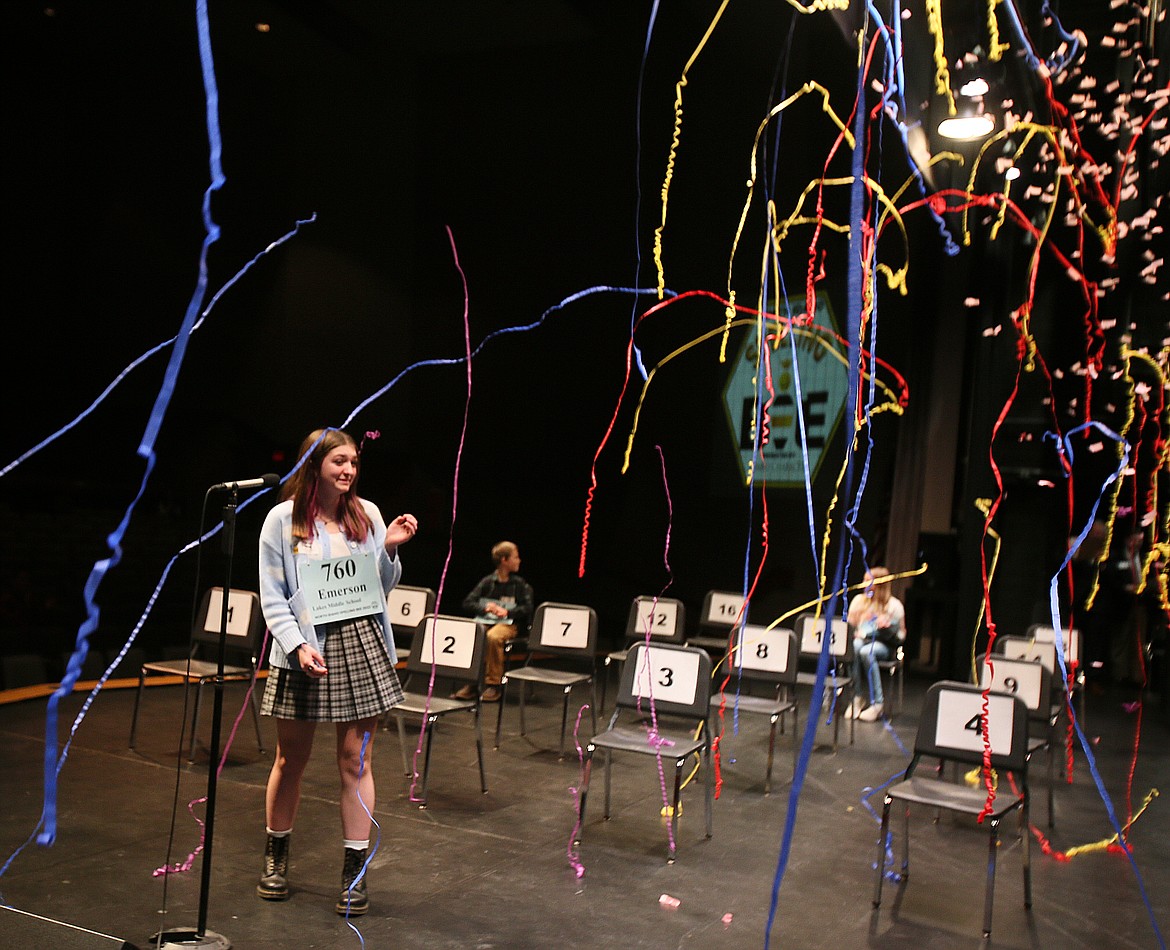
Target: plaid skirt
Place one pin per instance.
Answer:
(361, 682)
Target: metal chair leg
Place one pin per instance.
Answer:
(137, 701)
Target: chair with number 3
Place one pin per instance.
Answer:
(958, 720)
(764, 657)
(662, 712)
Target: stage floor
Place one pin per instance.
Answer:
(486, 871)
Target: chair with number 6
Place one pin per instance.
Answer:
(661, 712)
(961, 723)
(407, 606)
(562, 651)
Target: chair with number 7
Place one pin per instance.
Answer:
(958, 723)
(661, 711)
(562, 652)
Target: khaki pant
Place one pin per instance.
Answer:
(497, 636)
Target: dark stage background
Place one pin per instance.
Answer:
(530, 132)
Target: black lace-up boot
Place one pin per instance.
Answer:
(355, 899)
(273, 884)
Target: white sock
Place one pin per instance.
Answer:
(278, 834)
(357, 845)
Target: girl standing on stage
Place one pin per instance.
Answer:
(327, 561)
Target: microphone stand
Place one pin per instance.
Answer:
(202, 937)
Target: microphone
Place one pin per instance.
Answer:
(264, 481)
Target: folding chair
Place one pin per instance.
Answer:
(407, 606)
(453, 647)
(768, 657)
(1043, 633)
(662, 619)
(242, 641)
(722, 610)
(895, 669)
(664, 694)
(952, 728)
(562, 653)
(1032, 683)
(810, 631)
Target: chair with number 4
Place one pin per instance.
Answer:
(661, 619)
(562, 653)
(661, 712)
(768, 658)
(452, 648)
(810, 631)
(958, 722)
(242, 641)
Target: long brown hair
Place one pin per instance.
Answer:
(301, 487)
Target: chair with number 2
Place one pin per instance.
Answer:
(661, 711)
(955, 726)
(453, 648)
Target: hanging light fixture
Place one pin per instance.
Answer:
(969, 121)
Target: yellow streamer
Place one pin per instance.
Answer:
(813, 333)
(984, 506)
(674, 143)
(942, 75)
(1106, 843)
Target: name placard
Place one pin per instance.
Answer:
(342, 588)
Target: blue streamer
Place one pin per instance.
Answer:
(638, 183)
(1057, 627)
(134, 364)
(854, 302)
(145, 451)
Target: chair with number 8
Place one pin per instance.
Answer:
(761, 657)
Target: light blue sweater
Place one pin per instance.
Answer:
(281, 600)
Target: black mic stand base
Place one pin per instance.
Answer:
(184, 938)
